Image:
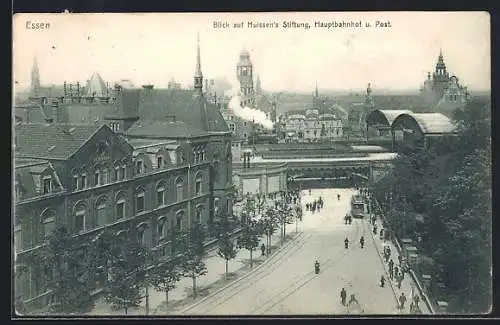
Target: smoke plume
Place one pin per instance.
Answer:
(249, 114)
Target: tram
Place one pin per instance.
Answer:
(358, 209)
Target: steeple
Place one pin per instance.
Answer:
(440, 66)
(258, 87)
(198, 76)
(316, 91)
(35, 79)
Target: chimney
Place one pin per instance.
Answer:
(78, 90)
(55, 111)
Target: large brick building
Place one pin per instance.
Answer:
(141, 163)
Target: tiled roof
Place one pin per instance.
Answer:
(163, 129)
(51, 141)
(195, 111)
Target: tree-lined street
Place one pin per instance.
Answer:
(286, 283)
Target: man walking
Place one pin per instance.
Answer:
(402, 300)
(263, 249)
(343, 296)
(391, 267)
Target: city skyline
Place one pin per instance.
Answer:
(285, 59)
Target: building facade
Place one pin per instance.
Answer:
(143, 163)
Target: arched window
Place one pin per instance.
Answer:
(48, 220)
(120, 206)
(179, 188)
(162, 227)
(160, 194)
(101, 211)
(198, 184)
(80, 218)
(140, 200)
(199, 214)
(179, 221)
(144, 235)
(159, 161)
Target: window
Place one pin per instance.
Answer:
(160, 195)
(231, 127)
(144, 235)
(104, 176)
(139, 201)
(203, 155)
(179, 189)
(18, 239)
(47, 184)
(162, 227)
(120, 208)
(75, 182)
(178, 221)
(80, 219)
(198, 215)
(245, 123)
(48, 223)
(97, 178)
(101, 212)
(124, 172)
(138, 167)
(197, 185)
(83, 181)
(117, 173)
(159, 160)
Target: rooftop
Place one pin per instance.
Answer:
(51, 141)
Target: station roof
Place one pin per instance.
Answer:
(384, 117)
(428, 123)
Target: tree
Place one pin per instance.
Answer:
(192, 264)
(165, 275)
(66, 267)
(268, 224)
(127, 262)
(226, 248)
(249, 238)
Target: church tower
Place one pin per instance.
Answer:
(244, 74)
(35, 80)
(258, 86)
(440, 76)
(198, 76)
(369, 104)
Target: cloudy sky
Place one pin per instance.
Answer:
(153, 48)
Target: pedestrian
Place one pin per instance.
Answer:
(346, 218)
(400, 259)
(362, 241)
(391, 265)
(402, 300)
(396, 270)
(263, 249)
(416, 299)
(338, 197)
(382, 281)
(343, 296)
(375, 229)
(399, 278)
(381, 233)
(350, 219)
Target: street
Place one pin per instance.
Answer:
(286, 283)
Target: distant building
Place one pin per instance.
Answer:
(356, 125)
(312, 127)
(442, 90)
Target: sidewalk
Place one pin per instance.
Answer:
(181, 296)
(408, 286)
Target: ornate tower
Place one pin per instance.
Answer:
(440, 77)
(198, 76)
(35, 79)
(244, 74)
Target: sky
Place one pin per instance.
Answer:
(154, 48)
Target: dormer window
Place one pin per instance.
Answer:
(47, 184)
(159, 161)
(83, 180)
(138, 167)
